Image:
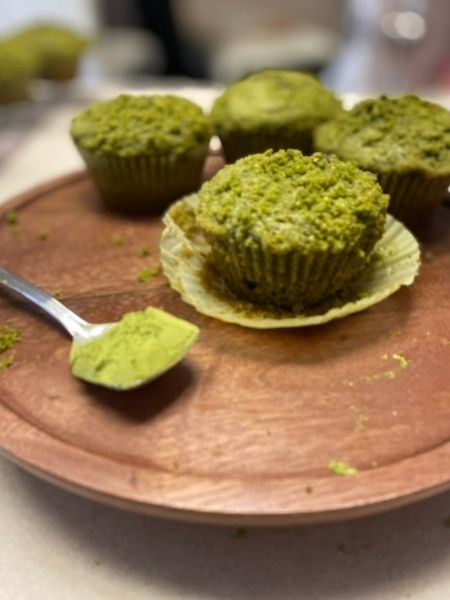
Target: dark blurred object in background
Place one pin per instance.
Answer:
(181, 58)
(365, 46)
(223, 40)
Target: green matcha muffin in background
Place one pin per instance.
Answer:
(271, 109)
(287, 229)
(57, 48)
(405, 141)
(143, 151)
(18, 66)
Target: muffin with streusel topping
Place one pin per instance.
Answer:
(143, 151)
(405, 141)
(271, 109)
(286, 229)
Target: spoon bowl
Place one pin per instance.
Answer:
(176, 335)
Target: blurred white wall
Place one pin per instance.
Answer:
(80, 14)
(240, 36)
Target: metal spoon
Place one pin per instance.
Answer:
(79, 329)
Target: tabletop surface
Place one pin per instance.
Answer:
(58, 545)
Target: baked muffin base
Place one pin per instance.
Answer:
(414, 196)
(239, 144)
(145, 183)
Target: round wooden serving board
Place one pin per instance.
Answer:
(243, 430)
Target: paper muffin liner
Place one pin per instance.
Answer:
(395, 262)
(238, 144)
(62, 68)
(261, 277)
(414, 195)
(145, 183)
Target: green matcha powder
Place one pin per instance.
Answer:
(140, 346)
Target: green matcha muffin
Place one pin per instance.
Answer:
(271, 109)
(405, 141)
(18, 65)
(290, 230)
(58, 49)
(143, 151)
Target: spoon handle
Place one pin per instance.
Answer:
(69, 320)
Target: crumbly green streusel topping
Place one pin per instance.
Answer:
(49, 40)
(284, 200)
(391, 135)
(272, 98)
(141, 125)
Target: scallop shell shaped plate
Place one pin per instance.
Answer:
(395, 262)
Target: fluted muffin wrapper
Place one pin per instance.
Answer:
(413, 196)
(284, 280)
(62, 68)
(239, 144)
(184, 257)
(145, 183)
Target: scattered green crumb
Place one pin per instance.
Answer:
(240, 533)
(447, 522)
(147, 274)
(12, 217)
(428, 255)
(6, 361)
(401, 359)
(14, 229)
(8, 337)
(309, 489)
(144, 251)
(58, 293)
(42, 236)
(118, 240)
(339, 467)
(389, 374)
(360, 422)
(403, 362)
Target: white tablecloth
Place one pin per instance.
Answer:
(57, 546)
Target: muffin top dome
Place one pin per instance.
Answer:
(141, 125)
(388, 135)
(273, 98)
(51, 40)
(286, 201)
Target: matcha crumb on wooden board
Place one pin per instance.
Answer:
(9, 336)
(147, 274)
(339, 467)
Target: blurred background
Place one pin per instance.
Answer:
(195, 47)
(353, 45)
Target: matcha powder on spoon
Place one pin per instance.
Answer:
(140, 346)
